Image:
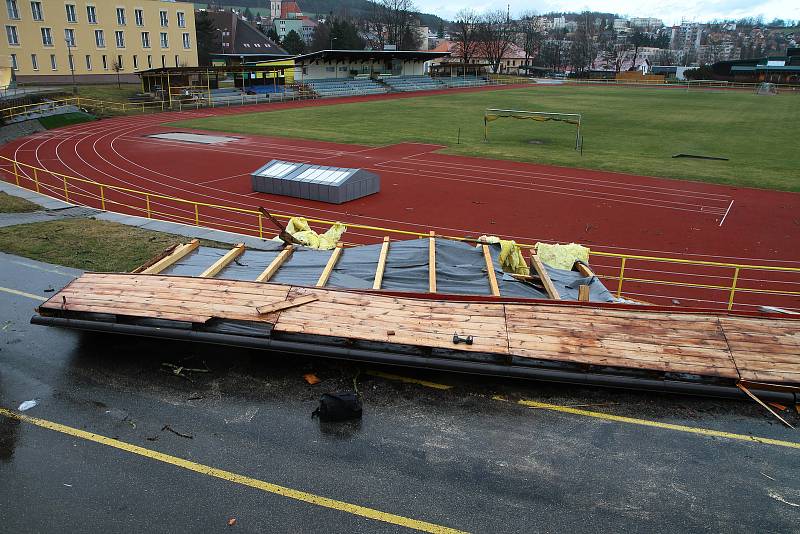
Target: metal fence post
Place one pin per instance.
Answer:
(621, 276)
(197, 214)
(733, 287)
(260, 226)
(16, 172)
(36, 178)
(147, 199)
(102, 198)
(66, 191)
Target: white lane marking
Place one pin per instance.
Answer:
(726, 213)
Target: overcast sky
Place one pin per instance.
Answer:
(670, 11)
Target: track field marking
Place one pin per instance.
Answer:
(726, 213)
(23, 294)
(268, 487)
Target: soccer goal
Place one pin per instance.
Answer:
(491, 115)
(766, 89)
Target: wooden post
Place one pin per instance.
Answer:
(381, 264)
(326, 273)
(583, 293)
(179, 253)
(215, 268)
(273, 267)
(487, 257)
(538, 266)
(432, 263)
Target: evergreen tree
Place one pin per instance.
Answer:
(293, 43)
(207, 38)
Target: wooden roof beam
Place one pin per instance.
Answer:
(215, 268)
(178, 254)
(326, 273)
(538, 266)
(273, 267)
(432, 263)
(487, 257)
(381, 264)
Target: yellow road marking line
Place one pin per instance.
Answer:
(409, 380)
(23, 294)
(655, 424)
(268, 487)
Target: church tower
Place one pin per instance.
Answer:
(275, 9)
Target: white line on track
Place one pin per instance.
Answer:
(726, 213)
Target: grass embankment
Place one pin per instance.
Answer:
(12, 204)
(110, 93)
(633, 130)
(66, 119)
(89, 244)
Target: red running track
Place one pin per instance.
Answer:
(424, 190)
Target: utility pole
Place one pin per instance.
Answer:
(71, 66)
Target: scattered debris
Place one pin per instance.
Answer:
(780, 498)
(311, 378)
(27, 405)
(153, 438)
(390, 332)
(781, 407)
(68, 485)
(170, 429)
(179, 370)
(49, 289)
(283, 305)
(700, 156)
(338, 407)
(195, 396)
(231, 521)
(458, 339)
(766, 475)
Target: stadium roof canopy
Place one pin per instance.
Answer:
(368, 55)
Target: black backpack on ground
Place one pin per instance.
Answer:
(338, 407)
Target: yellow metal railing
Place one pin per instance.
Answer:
(251, 222)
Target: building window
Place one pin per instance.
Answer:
(181, 19)
(34, 62)
(47, 37)
(138, 14)
(53, 63)
(121, 16)
(13, 37)
(14, 62)
(119, 63)
(69, 37)
(13, 11)
(164, 18)
(149, 61)
(91, 14)
(145, 39)
(135, 62)
(71, 16)
(186, 41)
(36, 11)
(100, 38)
(119, 38)
(164, 40)
(105, 62)
(88, 62)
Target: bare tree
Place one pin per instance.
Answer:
(530, 35)
(496, 33)
(394, 22)
(465, 30)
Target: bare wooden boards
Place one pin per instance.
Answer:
(705, 344)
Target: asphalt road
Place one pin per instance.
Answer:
(458, 458)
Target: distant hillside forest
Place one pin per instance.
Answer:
(340, 8)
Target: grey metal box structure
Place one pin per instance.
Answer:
(315, 182)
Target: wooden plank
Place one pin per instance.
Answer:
(584, 270)
(759, 401)
(178, 254)
(273, 267)
(215, 268)
(285, 305)
(583, 293)
(381, 264)
(487, 258)
(326, 272)
(432, 263)
(537, 265)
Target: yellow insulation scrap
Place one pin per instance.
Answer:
(511, 259)
(299, 229)
(562, 256)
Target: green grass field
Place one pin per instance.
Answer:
(65, 119)
(625, 129)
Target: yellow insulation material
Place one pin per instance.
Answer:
(562, 256)
(511, 259)
(299, 229)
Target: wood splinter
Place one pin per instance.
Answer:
(286, 304)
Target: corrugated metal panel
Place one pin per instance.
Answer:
(314, 182)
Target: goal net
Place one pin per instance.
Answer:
(767, 89)
(491, 115)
